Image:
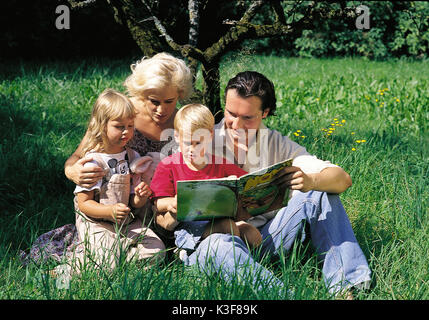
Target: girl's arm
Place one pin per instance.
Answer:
(93, 209)
(166, 212)
(75, 171)
(141, 194)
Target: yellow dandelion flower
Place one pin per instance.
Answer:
(381, 93)
(298, 130)
(358, 141)
(296, 134)
(386, 89)
(363, 141)
(376, 100)
(353, 132)
(303, 137)
(353, 149)
(397, 100)
(335, 119)
(343, 121)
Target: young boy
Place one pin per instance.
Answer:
(193, 125)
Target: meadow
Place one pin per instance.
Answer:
(369, 117)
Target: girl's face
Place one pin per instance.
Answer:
(161, 103)
(119, 132)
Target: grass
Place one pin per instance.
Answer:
(44, 109)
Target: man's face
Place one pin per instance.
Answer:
(242, 115)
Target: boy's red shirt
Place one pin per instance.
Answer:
(172, 169)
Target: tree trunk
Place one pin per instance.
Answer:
(211, 88)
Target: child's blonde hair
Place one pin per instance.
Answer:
(160, 71)
(192, 117)
(110, 105)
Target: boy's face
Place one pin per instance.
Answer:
(194, 145)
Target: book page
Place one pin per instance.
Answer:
(263, 190)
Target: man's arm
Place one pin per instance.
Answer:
(331, 180)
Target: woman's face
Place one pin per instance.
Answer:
(161, 103)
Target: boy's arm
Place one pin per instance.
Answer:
(166, 212)
(93, 209)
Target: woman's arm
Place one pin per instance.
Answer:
(93, 209)
(75, 171)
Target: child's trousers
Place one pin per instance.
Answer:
(105, 243)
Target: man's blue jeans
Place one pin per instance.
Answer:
(344, 264)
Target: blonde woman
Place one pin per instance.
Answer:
(155, 85)
(104, 221)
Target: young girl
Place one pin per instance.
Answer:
(104, 219)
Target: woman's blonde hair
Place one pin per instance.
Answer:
(160, 71)
(192, 117)
(110, 105)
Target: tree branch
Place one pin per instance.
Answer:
(81, 4)
(194, 21)
(248, 15)
(279, 12)
(186, 50)
(251, 11)
(245, 30)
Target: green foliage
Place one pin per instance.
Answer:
(396, 29)
(412, 34)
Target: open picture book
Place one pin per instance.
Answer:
(257, 192)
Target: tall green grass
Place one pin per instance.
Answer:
(44, 109)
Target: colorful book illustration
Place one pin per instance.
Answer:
(258, 192)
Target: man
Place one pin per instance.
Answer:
(242, 137)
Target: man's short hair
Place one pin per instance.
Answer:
(252, 83)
